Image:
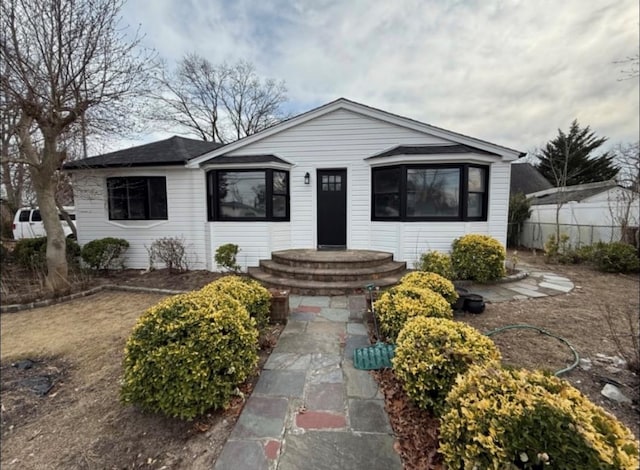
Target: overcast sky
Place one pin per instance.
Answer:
(510, 72)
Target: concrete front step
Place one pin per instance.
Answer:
(342, 272)
(309, 287)
(329, 259)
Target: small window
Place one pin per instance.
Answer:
(24, 216)
(137, 198)
(35, 216)
(476, 189)
(386, 193)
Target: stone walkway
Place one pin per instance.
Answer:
(311, 409)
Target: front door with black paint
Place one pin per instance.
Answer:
(332, 209)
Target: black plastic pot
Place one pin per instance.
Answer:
(474, 303)
(458, 306)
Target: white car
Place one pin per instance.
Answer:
(27, 223)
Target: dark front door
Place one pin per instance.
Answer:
(332, 209)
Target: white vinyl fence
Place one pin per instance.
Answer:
(535, 234)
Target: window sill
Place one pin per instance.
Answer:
(137, 224)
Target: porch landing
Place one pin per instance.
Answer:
(328, 272)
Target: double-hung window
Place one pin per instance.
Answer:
(137, 198)
(430, 192)
(248, 195)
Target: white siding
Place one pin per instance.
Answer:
(186, 206)
(343, 139)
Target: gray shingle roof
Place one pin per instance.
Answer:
(429, 150)
(240, 159)
(173, 151)
(526, 179)
(570, 195)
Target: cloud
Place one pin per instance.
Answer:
(511, 72)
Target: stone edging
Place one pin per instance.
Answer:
(518, 276)
(77, 295)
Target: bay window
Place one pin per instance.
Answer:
(248, 195)
(430, 192)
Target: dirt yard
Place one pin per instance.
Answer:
(76, 349)
(580, 317)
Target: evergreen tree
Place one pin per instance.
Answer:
(567, 159)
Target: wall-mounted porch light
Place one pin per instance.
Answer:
(307, 178)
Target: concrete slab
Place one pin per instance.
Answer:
(331, 450)
(327, 328)
(360, 384)
(295, 327)
(325, 368)
(294, 301)
(335, 314)
(242, 455)
(326, 397)
(280, 383)
(357, 329)
(354, 342)
(339, 301)
(307, 343)
(261, 417)
(562, 288)
(527, 292)
(368, 416)
(301, 316)
(288, 361)
(316, 301)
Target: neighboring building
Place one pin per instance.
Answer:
(526, 179)
(343, 175)
(588, 213)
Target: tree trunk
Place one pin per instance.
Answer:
(57, 279)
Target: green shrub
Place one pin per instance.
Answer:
(32, 252)
(499, 418)
(436, 262)
(105, 253)
(561, 251)
(432, 352)
(226, 257)
(478, 258)
(435, 282)
(255, 298)
(397, 305)
(188, 354)
(519, 212)
(616, 257)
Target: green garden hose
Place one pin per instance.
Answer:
(544, 332)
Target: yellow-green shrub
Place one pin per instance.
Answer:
(500, 418)
(402, 302)
(435, 282)
(432, 352)
(478, 258)
(250, 293)
(188, 353)
(436, 262)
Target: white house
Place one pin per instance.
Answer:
(587, 213)
(342, 176)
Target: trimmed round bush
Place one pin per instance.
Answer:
(616, 257)
(510, 418)
(188, 354)
(478, 258)
(433, 281)
(436, 262)
(250, 293)
(432, 352)
(402, 302)
(105, 253)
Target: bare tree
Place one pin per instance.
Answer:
(218, 103)
(623, 207)
(631, 66)
(64, 59)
